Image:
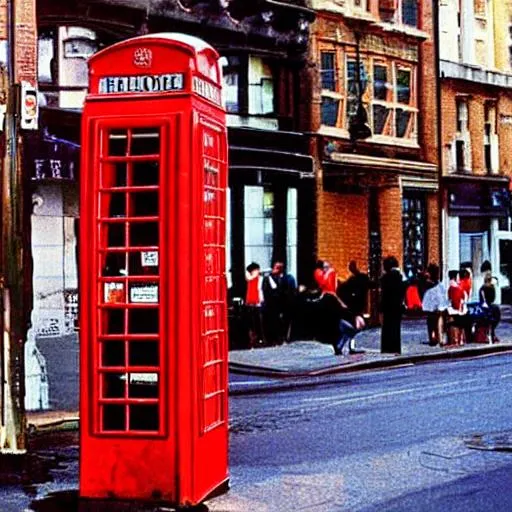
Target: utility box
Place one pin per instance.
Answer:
(153, 321)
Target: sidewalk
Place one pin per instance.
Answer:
(310, 358)
(283, 366)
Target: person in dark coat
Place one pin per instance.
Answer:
(354, 291)
(391, 306)
(279, 292)
(337, 324)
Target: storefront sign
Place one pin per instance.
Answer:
(141, 83)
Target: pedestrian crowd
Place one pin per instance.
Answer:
(334, 311)
(453, 317)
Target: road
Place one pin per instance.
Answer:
(392, 440)
(381, 441)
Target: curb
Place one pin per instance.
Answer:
(285, 379)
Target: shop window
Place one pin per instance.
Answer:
(258, 225)
(291, 231)
(414, 232)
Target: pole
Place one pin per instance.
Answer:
(13, 426)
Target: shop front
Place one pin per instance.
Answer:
(478, 210)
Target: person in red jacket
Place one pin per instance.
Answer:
(253, 304)
(325, 277)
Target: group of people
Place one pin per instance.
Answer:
(451, 310)
(334, 310)
(270, 303)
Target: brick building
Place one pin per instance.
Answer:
(476, 99)
(376, 196)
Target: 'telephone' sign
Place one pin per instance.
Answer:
(141, 83)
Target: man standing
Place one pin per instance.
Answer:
(279, 291)
(391, 306)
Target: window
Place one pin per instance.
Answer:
(291, 231)
(328, 70)
(248, 85)
(261, 87)
(491, 150)
(387, 89)
(230, 80)
(403, 12)
(414, 221)
(259, 232)
(462, 115)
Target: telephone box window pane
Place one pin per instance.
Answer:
(113, 353)
(145, 141)
(145, 174)
(114, 417)
(114, 385)
(143, 234)
(144, 204)
(144, 417)
(143, 263)
(117, 204)
(115, 264)
(115, 235)
(114, 321)
(143, 385)
(117, 143)
(114, 175)
(143, 321)
(120, 174)
(143, 353)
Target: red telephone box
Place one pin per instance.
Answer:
(153, 321)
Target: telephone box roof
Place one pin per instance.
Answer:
(194, 43)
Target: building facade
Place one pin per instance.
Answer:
(376, 191)
(271, 180)
(476, 100)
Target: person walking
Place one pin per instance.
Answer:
(279, 292)
(435, 303)
(391, 306)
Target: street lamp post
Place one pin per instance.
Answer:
(358, 127)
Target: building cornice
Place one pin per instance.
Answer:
(471, 73)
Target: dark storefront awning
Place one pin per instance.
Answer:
(269, 151)
(478, 196)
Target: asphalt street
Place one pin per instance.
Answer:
(393, 440)
(389, 440)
